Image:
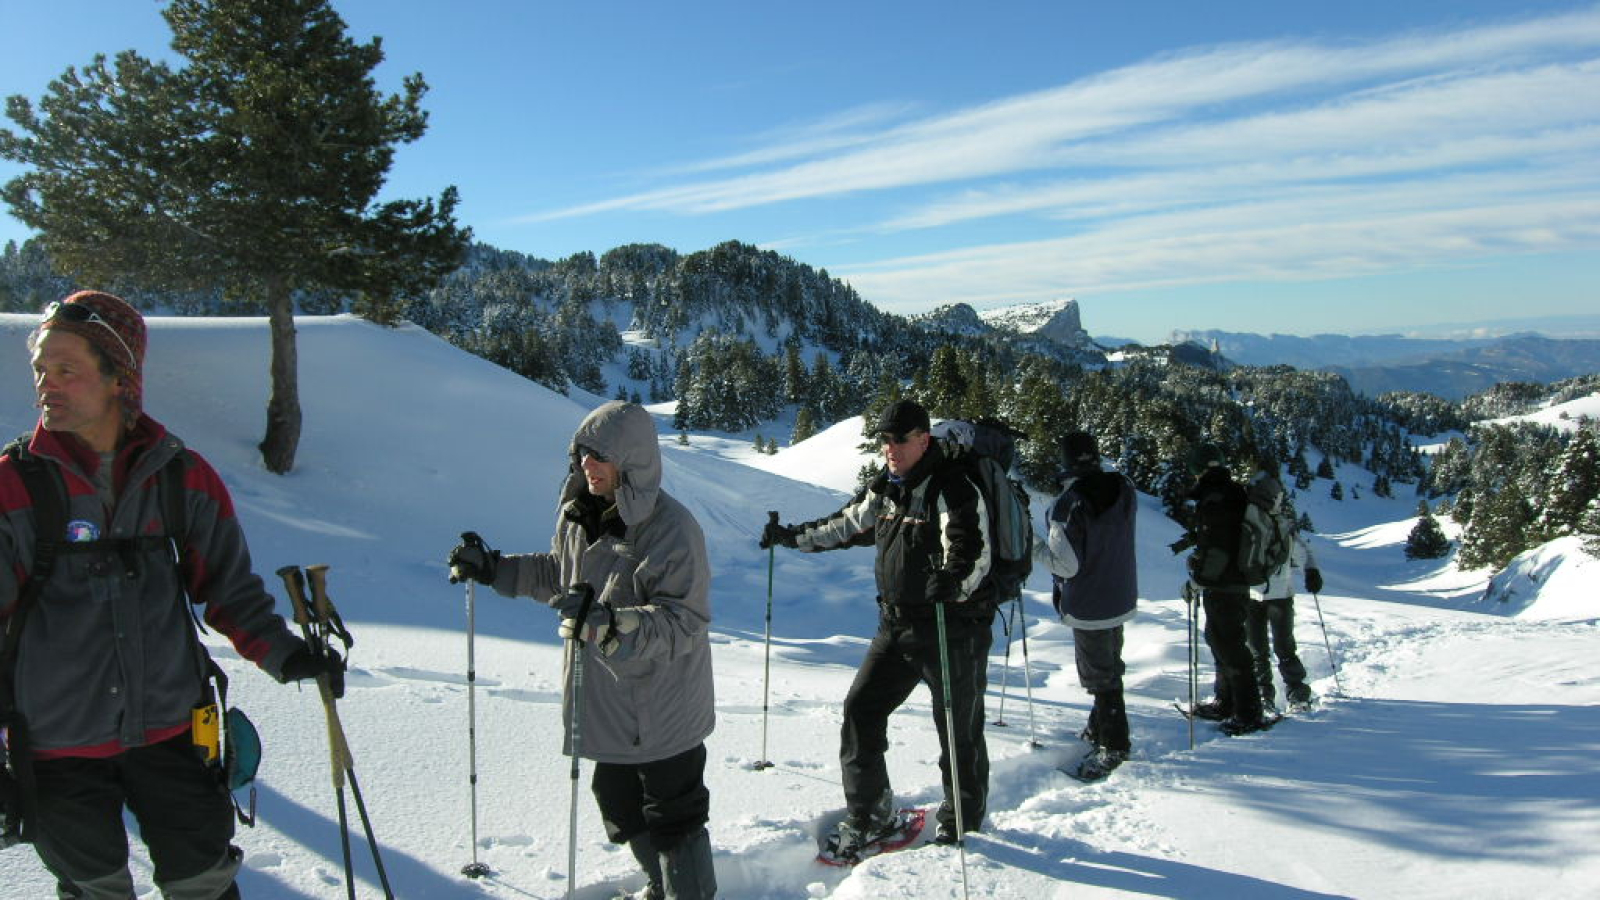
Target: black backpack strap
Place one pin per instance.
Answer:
(50, 518)
(50, 524)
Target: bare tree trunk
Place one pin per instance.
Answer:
(283, 406)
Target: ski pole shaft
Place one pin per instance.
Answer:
(474, 869)
(372, 839)
(575, 734)
(766, 674)
(344, 845)
(1005, 671)
(1027, 669)
(1332, 662)
(1190, 601)
(950, 743)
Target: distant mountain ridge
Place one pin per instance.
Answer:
(1376, 364)
(1054, 327)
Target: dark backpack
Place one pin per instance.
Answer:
(1238, 548)
(1264, 535)
(987, 448)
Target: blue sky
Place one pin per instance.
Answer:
(1256, 166)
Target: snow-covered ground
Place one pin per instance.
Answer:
(1453, 757)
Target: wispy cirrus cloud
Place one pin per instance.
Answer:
(1280, 160)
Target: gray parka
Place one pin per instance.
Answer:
(659, 701)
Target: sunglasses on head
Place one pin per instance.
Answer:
(591, 453)
(78, 313)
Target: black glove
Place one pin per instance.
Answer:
(303, 664)
(944, 588)
(1314, 580)
(777, 535)
(571, 603)
(473, 559)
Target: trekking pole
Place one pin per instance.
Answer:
(1005, 673)
(332, 624)
(318, 622)
(1332, 663)
(1027, 670)
(575, 734)
(950, 744)
(766, 674)
(1190, 601)
(474, 869)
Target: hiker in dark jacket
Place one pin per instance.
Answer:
(1096, 588)
(647, 697)
(930, 528)
(107, 667)
(1219, 504)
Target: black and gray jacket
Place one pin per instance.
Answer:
(931, 532)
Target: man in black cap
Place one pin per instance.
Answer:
(930, 528)
(1096, 588)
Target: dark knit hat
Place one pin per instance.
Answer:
(1079, 449)
(903, 417)
(1205, 456)
(114, 328)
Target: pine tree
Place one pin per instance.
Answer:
(805, 426)
(1337, 491)
(1591, 528)
(1572, 490)
(1426, 540)
(256, 168)
(1497, 531)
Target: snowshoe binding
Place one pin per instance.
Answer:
(1097, 765)
(1236, 727)
(850, 843)
(1301, 698)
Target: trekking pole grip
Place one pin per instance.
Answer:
(294, 582)
(319, 589)
(585, 592)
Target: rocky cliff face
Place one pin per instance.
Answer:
(1058, 321)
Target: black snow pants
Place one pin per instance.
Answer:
(1226, 612)
(1277, 616)
(184, 816)
(904, 653)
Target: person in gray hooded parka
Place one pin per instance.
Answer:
(647, 701)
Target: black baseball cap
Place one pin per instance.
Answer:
(904, 417)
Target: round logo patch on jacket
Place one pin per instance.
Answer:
(82, 531)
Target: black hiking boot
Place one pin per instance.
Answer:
(1236, 726)
(1300, 696)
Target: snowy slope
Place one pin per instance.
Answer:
(1456, 762)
